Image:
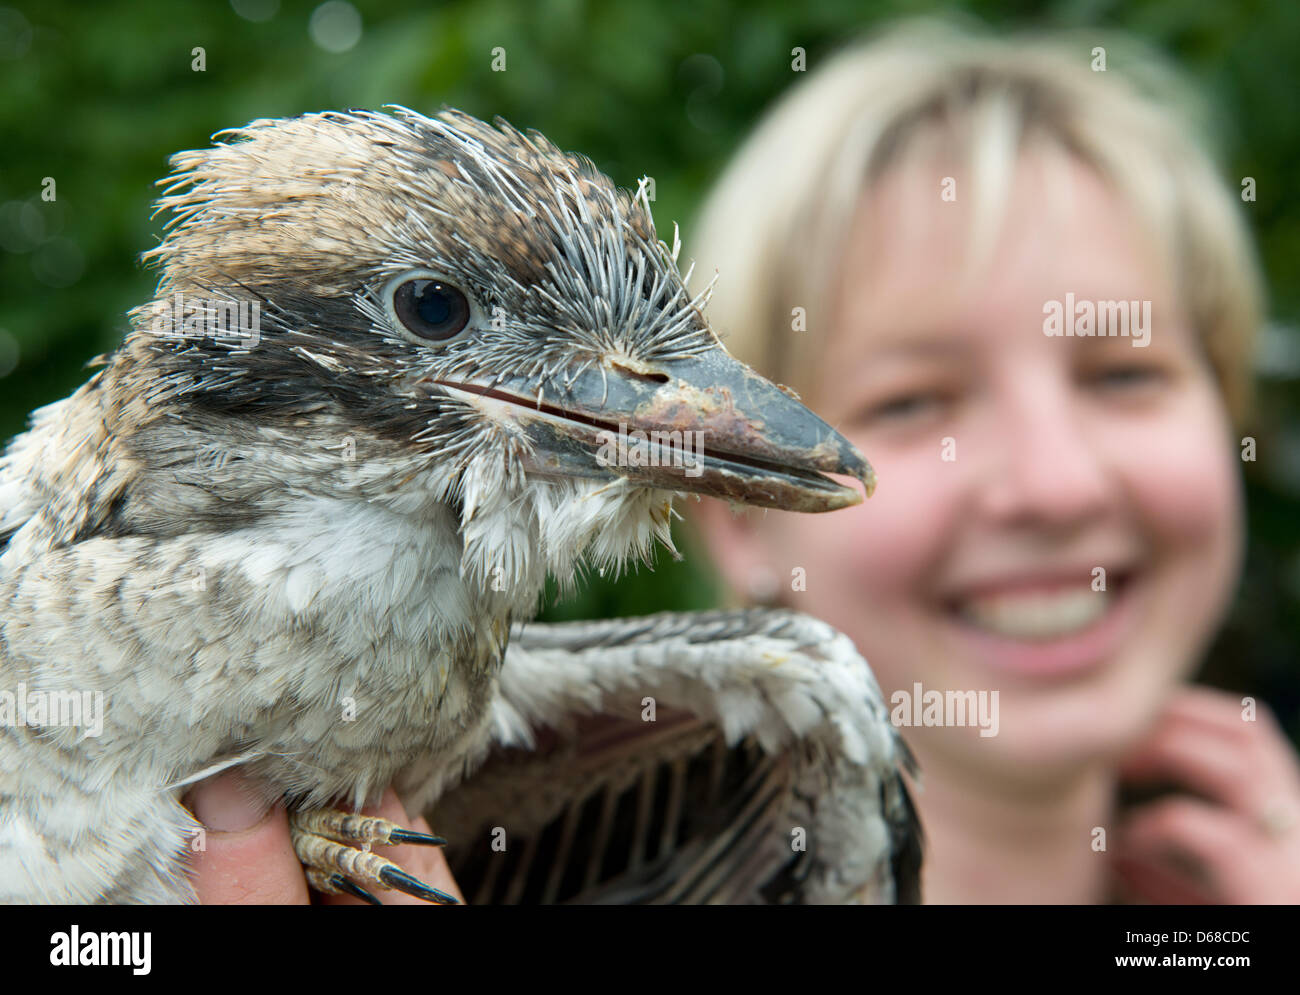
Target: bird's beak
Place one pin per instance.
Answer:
(707, 424)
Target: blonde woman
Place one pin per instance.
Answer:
(1018, 285)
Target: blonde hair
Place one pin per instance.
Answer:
(775, 223)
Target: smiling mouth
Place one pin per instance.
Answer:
(1041, 613)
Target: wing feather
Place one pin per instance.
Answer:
(721, 757)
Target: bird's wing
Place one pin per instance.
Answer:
(715, 757)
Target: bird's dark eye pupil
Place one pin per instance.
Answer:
(431, 309)
(434, 306)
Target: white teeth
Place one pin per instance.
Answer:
(1040, 615)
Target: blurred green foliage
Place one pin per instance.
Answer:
(98, 95)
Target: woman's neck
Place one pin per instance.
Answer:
(990, 843)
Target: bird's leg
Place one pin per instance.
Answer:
(334, 846)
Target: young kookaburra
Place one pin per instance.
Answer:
(397, 370)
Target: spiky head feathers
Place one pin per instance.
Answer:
(313, 219)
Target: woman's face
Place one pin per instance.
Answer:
(1014, 467)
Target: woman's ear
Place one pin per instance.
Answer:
(735, 544)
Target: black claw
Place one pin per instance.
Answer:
(411, 836)
(354, 889)
(397, 878)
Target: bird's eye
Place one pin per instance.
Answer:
(429, 307)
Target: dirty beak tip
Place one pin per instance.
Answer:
(856, 465)
(869, 481)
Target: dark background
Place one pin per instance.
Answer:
(97, 95)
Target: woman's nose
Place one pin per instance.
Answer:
(1046, 469)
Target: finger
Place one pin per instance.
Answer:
(1194, 711)
(425, 862)
(245, 856)
(1257, 730)
(1149, 881)
(1223, 715)
(1203, 740)
(1215, 710)
(1215, 767)
(1205, 847)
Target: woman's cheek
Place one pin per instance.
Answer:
(904, 531)
(870, 564)
(1182, 475)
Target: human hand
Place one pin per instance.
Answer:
(1237, 840)
(249, 859)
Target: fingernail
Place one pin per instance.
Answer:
(226, 804)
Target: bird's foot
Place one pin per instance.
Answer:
(334, 847)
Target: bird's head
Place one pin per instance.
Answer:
(417, 311)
